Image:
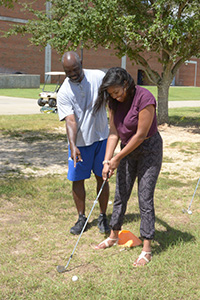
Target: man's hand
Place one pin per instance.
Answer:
(75, 155)
(71, 128)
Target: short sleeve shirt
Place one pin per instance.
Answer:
(79, 99)
(126, 121)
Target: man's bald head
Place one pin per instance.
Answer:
(71, 56)
(72, 66)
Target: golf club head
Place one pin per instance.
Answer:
(187, 211)
(61, 269)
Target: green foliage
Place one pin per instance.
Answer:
(169, 29)
(131, 27)
(7, 3)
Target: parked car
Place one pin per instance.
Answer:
(49, 98)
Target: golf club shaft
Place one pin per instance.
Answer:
(96, 200)
(194, 194)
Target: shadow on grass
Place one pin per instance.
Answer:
(168, 237)
(128, 218)
(35, 149)
(165, 238)
(31, 136)
(185, 121)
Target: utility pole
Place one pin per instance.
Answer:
(123, 62)
(47, 66)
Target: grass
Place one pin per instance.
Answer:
(175, 93)
(179, 93)
(36, 214)
(18, 125)
(26, 93)
(185, 116)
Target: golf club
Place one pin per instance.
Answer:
(189, 208)
(62, 269)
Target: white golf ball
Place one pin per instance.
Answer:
(189, 212)
(74, 278)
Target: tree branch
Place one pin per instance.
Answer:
(181, 8)
(177, 66)
(153, 75)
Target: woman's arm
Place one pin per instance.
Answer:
(112, 142)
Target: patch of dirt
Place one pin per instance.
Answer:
(44, 157)
(37, 158)
(181, 151)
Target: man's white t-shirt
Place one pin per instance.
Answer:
(79, 99)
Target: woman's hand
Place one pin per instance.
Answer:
(105, 172)
(114, 163)
(108, 169)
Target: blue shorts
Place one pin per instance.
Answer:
(92, 157)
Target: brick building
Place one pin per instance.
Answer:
(16, 55)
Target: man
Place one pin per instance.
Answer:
(87, 134)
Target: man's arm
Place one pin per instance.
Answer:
(71, 128)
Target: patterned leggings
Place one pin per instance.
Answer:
(145, 163)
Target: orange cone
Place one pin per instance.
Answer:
(128, 239)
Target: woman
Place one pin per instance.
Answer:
(132, 114)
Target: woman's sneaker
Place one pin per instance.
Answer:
(103, 224)
(77, 228)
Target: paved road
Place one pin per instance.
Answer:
(17, 106)
(174, 104)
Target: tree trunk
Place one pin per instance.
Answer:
(163, 91)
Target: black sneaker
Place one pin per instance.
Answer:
(103, 224)
(77, 228)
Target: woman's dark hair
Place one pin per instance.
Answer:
(114, 77)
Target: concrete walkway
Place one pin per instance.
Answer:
(18, 106)
(22, 106)
(194, 103)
